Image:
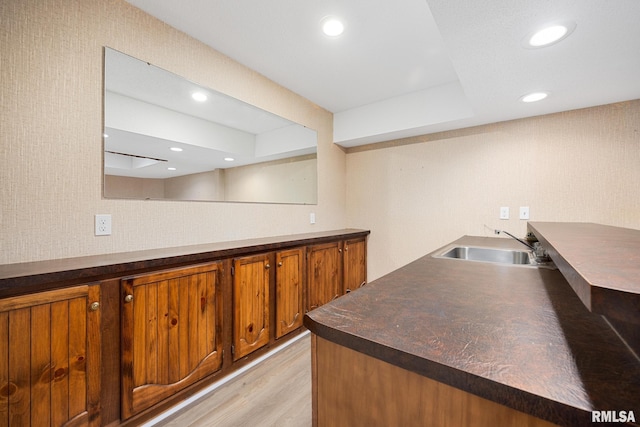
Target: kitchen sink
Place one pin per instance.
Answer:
(501, 256)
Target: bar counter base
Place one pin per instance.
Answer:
(353, 389)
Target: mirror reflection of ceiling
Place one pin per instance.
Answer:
(410, 67)
(149, 113)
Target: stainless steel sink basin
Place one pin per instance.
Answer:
(475, 253)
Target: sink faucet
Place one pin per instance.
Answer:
(539, 252)
(519, 240)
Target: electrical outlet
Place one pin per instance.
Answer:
(103, 225)
(504, 212)
(312, 218)
(524, 212)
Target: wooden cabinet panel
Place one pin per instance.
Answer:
(388, 395)
(354, 264)
(50, 358)
(324, 278)
(289, 285)
(250, 304)
(171, 333)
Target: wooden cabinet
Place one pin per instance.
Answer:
(171, 333)
(50, 358)
(334, 269)
(324, 276)
(161, 324)
(289, 290)
(354, 264)
(250, 304)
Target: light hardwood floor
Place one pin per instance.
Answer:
(276, 392)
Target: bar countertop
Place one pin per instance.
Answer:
(600, 262)
(36, 276)
(516, 335)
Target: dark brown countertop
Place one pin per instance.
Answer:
(27, 277)
(515, 335)
(600, 262)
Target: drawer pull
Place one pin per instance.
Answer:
(94, 306)
(128, 298)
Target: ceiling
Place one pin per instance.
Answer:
(412, 67)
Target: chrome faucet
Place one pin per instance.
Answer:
(539, 252)
(518, 239)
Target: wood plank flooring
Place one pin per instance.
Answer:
(276, 392)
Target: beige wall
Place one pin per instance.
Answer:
(51, 53)
(276, 181)
(197, 186)
(421, 193)
(415, 195)
(292, 180)
(125, 187)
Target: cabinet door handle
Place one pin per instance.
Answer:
(280, 264)
(94, 306)
(128, 298)
(267, 266)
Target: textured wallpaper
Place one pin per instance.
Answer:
(419, 194)
(51, 91)
(414, 195)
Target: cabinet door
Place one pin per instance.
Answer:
(171, 333)
(289, 280)
(250, 304)
(324, 277)
(354, 264)
(50, 358)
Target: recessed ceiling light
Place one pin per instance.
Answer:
(332, 26)
(199, 96)
(549, 35)
(535, 96)
(229, 159)
(171, 169)
(176, 149)
(104, 135)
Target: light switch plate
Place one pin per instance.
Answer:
(524, 212)
(504, 212)
(312, 218)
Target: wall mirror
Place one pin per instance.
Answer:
(166, 138)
